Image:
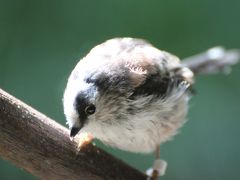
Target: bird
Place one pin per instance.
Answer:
(130, 95)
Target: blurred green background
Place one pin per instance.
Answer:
(41, 42)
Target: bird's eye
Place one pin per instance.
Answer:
(90, 109)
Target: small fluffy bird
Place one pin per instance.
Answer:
(128, 94)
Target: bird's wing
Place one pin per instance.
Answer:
(155, 72)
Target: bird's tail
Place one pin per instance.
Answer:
(212, 61)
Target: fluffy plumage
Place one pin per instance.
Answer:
(140, 94)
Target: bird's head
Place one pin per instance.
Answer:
(95, 96)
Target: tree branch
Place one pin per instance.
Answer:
(42, 147)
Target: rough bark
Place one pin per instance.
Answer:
(41, 146)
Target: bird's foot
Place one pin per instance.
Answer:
(82, 140)
(158, 169)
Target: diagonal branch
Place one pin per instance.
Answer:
(42, 147)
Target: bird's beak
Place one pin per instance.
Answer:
(74, 131)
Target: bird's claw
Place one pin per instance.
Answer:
(159, 169)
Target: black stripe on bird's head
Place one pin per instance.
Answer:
(85, 106)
